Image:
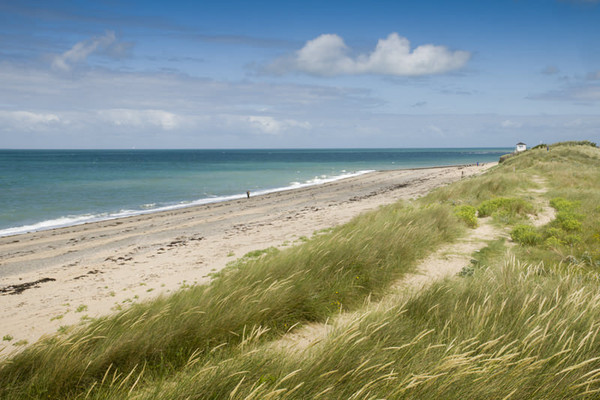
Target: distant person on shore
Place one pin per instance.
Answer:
(248, 193)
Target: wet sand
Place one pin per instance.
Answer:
(65, 276)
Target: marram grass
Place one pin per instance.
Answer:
(333, 272)
(520, 331)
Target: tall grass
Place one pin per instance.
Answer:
(330, 273)
(520, 331)
(498, 181)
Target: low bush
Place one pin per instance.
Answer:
(467, 214)
(561, 204)
(569, 221)
(526, 235)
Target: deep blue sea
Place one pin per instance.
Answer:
(42, 189)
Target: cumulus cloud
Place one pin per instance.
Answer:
(141, 118)
(79, 53)
(328, 55)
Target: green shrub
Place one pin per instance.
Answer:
(561, 204)
(569, 221)
(553, 241)
(466, 271)
(525, 234)
(468, 214)
(510, 206)
(563, 229)
(573, 239)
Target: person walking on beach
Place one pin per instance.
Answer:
(248, 193)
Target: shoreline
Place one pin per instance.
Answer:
(94, 218)
(71, 274)
(194, 203)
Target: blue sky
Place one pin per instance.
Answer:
(274, 74)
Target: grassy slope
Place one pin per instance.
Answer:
(526, 330)
(331, 272)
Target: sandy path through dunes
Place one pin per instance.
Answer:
(447, 261)
(93, 269)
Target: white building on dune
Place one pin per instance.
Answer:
(520, 147)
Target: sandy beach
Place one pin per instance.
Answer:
(66, 276)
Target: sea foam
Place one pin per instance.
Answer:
(150, 208)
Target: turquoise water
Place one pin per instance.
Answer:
(42, 189)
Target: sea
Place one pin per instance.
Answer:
(45, 189)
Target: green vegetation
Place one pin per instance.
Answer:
(7, 338)
(520, 322)
(507, 208)
(81, 308)
(575, 143)
(525, 234)
(261, 296)
(468, 214)
(488, 256)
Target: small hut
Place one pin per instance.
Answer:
(520, 147)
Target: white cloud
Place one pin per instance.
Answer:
(99, 108)
(265, 124)
(327, 55)
(507, 123)
(82, 50)
(141, 118)
(168, 121)
(27, 120)
(273, 126)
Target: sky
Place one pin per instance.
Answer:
(298, 74)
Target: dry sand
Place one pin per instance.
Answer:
(80, 272)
